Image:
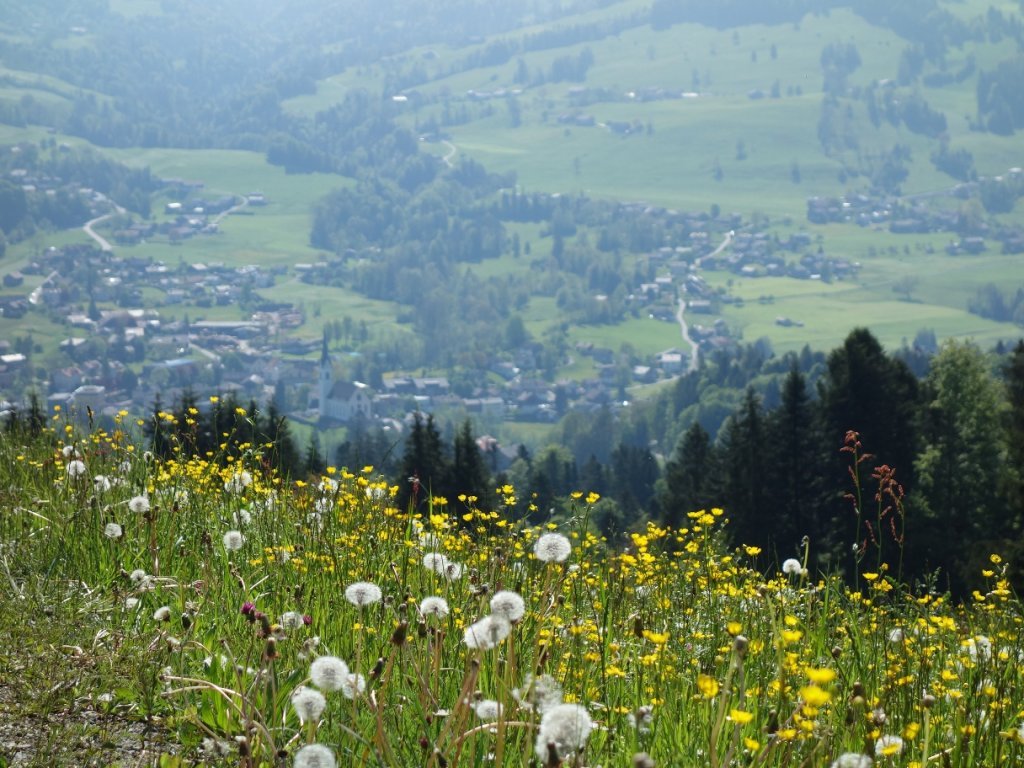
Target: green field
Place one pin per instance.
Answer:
(719, 147)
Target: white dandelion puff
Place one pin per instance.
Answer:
(353, 685)
(434, 606)
(552, 548)
(328, 673)
(76, 468)
(564, 729)
(362, 593)
(487, 633)
(242, 517)
(101, 483)
(112, 531)
(436, 562)
(238, 482)
(233, 541)
(979, 648)
(163, 613)
(852, 760)
(509, 605)
(314, 756)
(538, 693)
(487, 709)
(791, 566)
(292, 620)
(308, 703)
(896, 635)
(453, 571)
(139, 504)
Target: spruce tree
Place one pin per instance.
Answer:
(684, 487)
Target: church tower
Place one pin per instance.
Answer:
(326, 378)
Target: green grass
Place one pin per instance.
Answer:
(141, 631)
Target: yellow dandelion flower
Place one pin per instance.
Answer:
(741, 717)
(708, 686)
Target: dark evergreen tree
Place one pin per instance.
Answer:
(425, 467)
(468, 473)
(866, 391)
(685, 482)
(740, 474)
(794, 468)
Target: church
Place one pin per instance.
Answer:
(341, 401)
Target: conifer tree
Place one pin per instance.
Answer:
(424, 464)
(794, 468)
(469, 474)
(685, 483)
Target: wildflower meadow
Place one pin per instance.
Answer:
(235, 617)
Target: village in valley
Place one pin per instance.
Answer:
(156, 345)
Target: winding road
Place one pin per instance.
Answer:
(683, 327)
(101, 241)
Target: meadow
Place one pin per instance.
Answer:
(209, 613)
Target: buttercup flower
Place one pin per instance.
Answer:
(888, 745)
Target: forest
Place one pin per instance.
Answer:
(921, 468)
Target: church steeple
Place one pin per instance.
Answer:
(326, 382)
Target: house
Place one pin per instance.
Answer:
(341, 401)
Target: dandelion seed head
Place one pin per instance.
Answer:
(852, 760)
(791, 566)
(353, 685)
(314, 756)
(434, 606)
(538, 693)
(486, 633)
(139, 504)
(292, 620)
(896, 635)
(163, 613)
(233, 541)
(238, 482)
(362, 593)
(76, 468)
(112, 531)
(436, 562)
(487, 709)
(552, 548)
(101, 483)
(308, 703)
(242, 517)
(328, 673)
(509, 605)
(564, 728)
